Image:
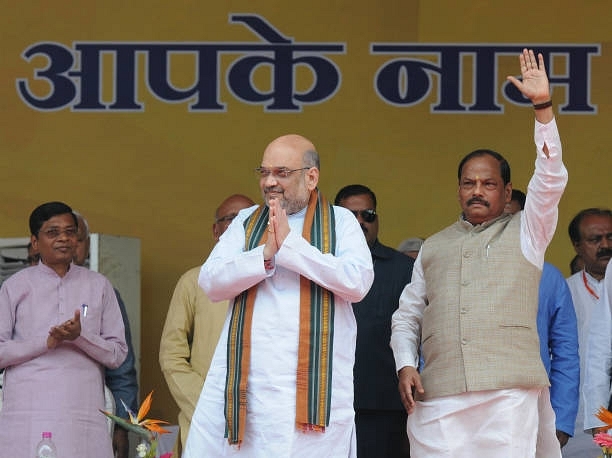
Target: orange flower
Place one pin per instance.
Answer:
(146, 428)
(151, 425)
(605, 416)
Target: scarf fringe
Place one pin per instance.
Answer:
(309, 427)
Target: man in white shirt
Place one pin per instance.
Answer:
(591, 234)
(281, 380)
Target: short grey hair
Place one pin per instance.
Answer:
(311, 158)
(85, 223)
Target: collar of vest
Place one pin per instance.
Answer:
(503, 218)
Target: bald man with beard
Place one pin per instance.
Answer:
(281, 380)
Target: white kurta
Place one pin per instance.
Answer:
(585, 305)
(598, 355)
(270, 426)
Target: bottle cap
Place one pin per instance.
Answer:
(46, 435)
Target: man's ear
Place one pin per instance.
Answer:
(312, 178)
(508, 192)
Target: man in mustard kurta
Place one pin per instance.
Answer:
(192, 329)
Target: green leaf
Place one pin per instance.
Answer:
(148, 435)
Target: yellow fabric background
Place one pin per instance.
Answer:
(159, 174)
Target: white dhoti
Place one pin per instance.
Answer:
(510, 423)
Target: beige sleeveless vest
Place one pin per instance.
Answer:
(479, 327)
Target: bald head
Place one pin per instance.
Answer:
(293, 146)
(227, 211)
(291, 171)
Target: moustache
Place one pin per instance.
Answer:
(475, 200)
(604, 253)
(273, 189)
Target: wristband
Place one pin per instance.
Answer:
(541, 106)
(268, 264)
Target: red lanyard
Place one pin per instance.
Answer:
(589, 289)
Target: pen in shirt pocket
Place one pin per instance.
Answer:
(84, 310)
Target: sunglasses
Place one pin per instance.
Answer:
(368, 215)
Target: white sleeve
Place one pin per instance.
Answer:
(539, 218)
(348, 273)
(407, 319)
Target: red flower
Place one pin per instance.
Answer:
(603, 439)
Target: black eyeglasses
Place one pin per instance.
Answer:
(368, 215)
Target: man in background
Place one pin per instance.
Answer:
(192, 328)
(410, 247)
(590, 232)
(380, 417)
(598, 364)
(122, 381)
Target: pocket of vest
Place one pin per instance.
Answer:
(516, 325)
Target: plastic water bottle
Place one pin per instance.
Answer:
(46, 447)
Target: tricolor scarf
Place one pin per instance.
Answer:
(314, 370)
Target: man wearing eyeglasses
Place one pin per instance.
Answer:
(380, 417)
(281, 380)
(54, 353)
(192, 328)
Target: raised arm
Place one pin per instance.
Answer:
(548, 182)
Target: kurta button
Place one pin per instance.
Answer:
(463, 341)
(467, 254)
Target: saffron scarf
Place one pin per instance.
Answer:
(314, 369)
